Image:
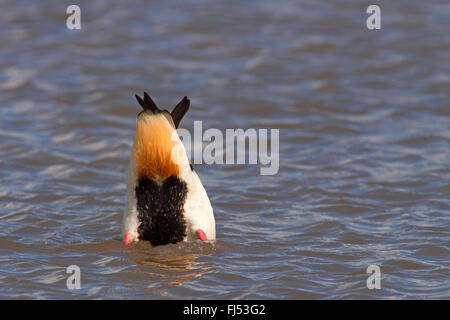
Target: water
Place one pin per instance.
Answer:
(364, 147)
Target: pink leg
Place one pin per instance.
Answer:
(201, 235)
(128, 238)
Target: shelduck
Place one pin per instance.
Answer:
(166, 201)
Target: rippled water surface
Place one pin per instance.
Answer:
(364, 147)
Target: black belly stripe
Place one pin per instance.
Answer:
(160, 210)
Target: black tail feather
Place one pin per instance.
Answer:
(147, 103)
(177, 113)
(180, 110)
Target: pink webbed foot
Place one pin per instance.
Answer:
(201, 235)
(128, 238)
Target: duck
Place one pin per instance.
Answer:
(166, 202)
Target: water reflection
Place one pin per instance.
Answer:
(173, 264)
